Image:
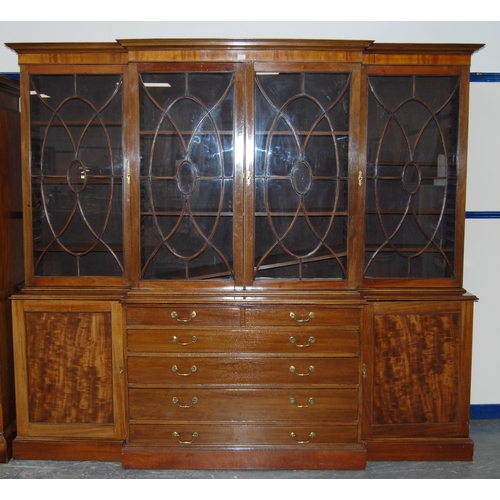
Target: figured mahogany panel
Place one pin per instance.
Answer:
(69, 367)
(416, 368)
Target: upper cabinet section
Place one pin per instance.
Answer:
(244, 164)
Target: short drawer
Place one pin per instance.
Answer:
(326, 340)
(217, 371)
(195, 434)
(196, 405)
(294, 316)
(182, 316)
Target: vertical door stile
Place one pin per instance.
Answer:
(357, 176)
(239, 177)
(131, 175)
(26, 175)
(249, 180)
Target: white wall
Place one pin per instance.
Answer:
(482, 269)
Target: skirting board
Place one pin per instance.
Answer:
(484, 411)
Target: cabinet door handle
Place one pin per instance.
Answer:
(310, 341)
(175, 340)
(294, 436)
(176, 435)
(192, 315)
(294, 370)
(175, 400)
(191, 370)
(310, 401)
(311, 315)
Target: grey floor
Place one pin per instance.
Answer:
(486, 465)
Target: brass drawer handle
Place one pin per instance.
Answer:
(294, 370)
(175, 340)
(310, 341)
(175, 400)
(311, 315)
(191, 370)
(310, 401)
(192, 315)
(176, 435)
(294, 436)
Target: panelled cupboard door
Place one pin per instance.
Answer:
(69, 369)
(419, 352)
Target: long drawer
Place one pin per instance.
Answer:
(223, 371)
(193, 434)
(242, 405)
(325, 340)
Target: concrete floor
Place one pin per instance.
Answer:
(486, 465)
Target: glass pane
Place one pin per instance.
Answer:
(76, 167)
(411, 176)
(301, 172)
(187, 173)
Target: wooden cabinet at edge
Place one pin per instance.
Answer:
(253, 248)
(11, 265)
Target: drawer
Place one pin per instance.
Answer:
(193, 435)
(182, 316)
(296, 316)
(332, 340)
(242, 405)
(217, 371)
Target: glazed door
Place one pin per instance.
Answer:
(303, 134)
(76, 176)
(414, 196)
(189, 199)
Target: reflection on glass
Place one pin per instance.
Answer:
(411, 176)
(301, 174)
(76, 167)
(187, 170)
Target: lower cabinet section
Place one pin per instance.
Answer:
(417, 393)
(242, 385)
(69, 378)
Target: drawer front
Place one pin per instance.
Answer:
(195, 405)
(301, 316)
(323, 340)
(187, 371)
(183, 316)
(193, 435)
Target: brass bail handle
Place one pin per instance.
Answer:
(310, 401)
(310, 341)
(192, 315)
(191, 370)
(176, 435)
(175, 340)
(294, 370)
(310, 316)
(176, 401)
(312, 435)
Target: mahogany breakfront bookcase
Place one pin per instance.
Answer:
(243, 253)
